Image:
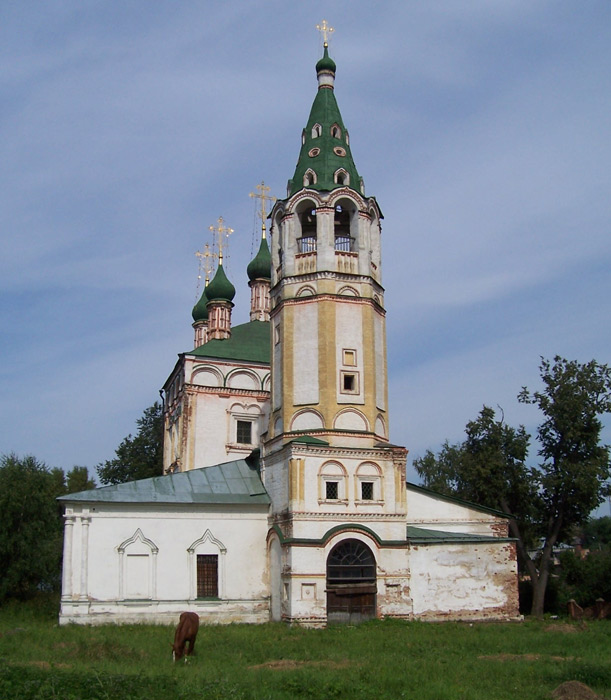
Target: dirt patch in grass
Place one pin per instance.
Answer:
(564, 627)
(289, 664)
(574, 690)
(525, 657)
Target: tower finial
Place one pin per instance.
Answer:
(325, 30)
(220, 232)
(264, 197)
(206, 263)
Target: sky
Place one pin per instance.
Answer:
(482, 128)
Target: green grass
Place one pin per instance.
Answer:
(377, 660)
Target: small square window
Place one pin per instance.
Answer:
(367, 490)
(332, 491)
(244, 432)
(350, 358)
(349, 383)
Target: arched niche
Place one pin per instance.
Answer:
(307, 420)
(138, 567)
(350, 419)
(381, 427)
(347, 291)
(203, 375)
(305, 291)
(243, 379)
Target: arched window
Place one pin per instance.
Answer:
(336, 132)
(341, 177)
(309, 178)
(316, 131)
(350, 561)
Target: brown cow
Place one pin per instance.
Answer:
(185, 632)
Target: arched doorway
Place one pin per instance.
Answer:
(351, 583)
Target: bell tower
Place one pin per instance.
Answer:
(328, 318)
(336, 483)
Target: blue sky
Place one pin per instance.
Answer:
(128, 128)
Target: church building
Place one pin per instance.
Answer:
(283, 497)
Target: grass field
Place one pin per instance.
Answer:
(379, 659)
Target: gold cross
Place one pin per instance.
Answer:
(206, 263)
(221, 232)
(325, 30)
(264, 197)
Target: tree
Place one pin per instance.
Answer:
(489, 467)
(78, 479)
(137, 457)
(30, 529)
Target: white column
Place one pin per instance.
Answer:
(67, 558)
(85, 521)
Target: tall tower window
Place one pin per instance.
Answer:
(343, 240)
(316, 131)
(307, 242)
(336, 132)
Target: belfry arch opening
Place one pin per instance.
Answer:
(351, 583)
(345, 221)
(306, 236)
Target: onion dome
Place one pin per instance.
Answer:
(220, 289)
(200, 311)
(326, 63)
(260, 267)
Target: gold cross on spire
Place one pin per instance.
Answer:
(325, 30)
(264, 197)
(206, 263)
(220, 232)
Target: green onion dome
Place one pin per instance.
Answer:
(260, 267)
(326, 63)
(200, 312)
(220, 289)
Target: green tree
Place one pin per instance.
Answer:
(78, 479)
(30, 529)
(596, 533)
(137, 457)
(489, 467)
(574, 466)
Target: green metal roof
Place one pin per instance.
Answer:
(325, 154)
(232, 482)
(249, 342)
(310, 440)
(420, 535)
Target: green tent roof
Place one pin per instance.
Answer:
(231, 482)
(248, 341)
(325, 150)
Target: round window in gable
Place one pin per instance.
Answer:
(313, 152)
(339, 151)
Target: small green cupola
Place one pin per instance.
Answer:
(260, 267)
(325, 162)
(220, 289)
(200, 310)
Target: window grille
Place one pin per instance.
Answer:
(332, 490)
(207, 575)
(367, 490)
(244, 432)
